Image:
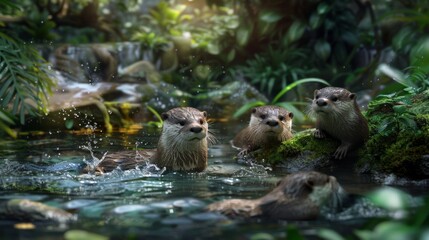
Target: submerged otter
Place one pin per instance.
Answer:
(338, 115)
(268, 127)
(183, 145)
(298, 196)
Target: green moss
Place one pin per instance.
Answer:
(399, 135)
(304, 142)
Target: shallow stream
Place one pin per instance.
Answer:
(150, 203)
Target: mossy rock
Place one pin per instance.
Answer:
(399, 136)
(303, 152)
(398, 143)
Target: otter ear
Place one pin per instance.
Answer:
(352, 96)
(205, 114)
(309, 184)
(291, 115)
(253, 110)
(316, 92)
(165, 116)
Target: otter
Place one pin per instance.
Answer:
(298, 196)
(268, 127)
(338, 115)
(183, 145)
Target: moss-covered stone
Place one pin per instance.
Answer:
(399, 136)
(303, 152)
(398, 143)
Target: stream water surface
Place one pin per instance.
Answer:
(148, 202)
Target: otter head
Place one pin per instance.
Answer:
(183, 145)
(301, 195)
(270, 120)
(184, 126)
(333, 100)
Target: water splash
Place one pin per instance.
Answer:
(252, 169)
(92, 165)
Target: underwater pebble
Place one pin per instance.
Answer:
(208, 216)
(166, 204)
(186, 203)
(176, 221)
(130, 208)
(76, 204)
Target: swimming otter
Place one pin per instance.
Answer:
(183, 145)
(339, 116)
(298, 196)
(268, 127)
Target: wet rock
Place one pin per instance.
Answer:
(35, 211)
(302, 152)
(399, 137)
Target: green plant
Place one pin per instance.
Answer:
(288, 105)
(412, 226)
(157, 124)
(24, 81)
(276, 68)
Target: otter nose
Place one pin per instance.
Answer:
(272, 123)
(196, 129)
(321, 102)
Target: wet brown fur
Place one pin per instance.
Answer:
(298, 196)
(180, 147)
(339, 118)
(256, 135)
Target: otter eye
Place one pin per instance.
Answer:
(263, 116)
(281, 118)
(182, 122)
(201, 121)
(334, 99)
(317, 96)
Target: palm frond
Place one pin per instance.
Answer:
(24, 78)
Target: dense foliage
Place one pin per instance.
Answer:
(201, 45)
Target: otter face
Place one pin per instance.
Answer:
(184, 125)
(301, 195)
(271, 120)
(332, 100)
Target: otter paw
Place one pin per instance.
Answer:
(319, 134)
(341, 151)
(243, 153)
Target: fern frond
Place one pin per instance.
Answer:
(24, 78)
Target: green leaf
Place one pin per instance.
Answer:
(295, 32)
(400, 108)
(322, 49)
(230, 56)
(364, 234)
(323, 8)
(294, 84)
(157, 115)
(213, 48)
(384, 125)
(5, 118)
(270, 16)
(329, 234)
(315, 21)
(243, 35)
(81, 234)
(390, 198)
(292, 232)
(243, 109)
(393, 230)
(408, 122)
(395, 74)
